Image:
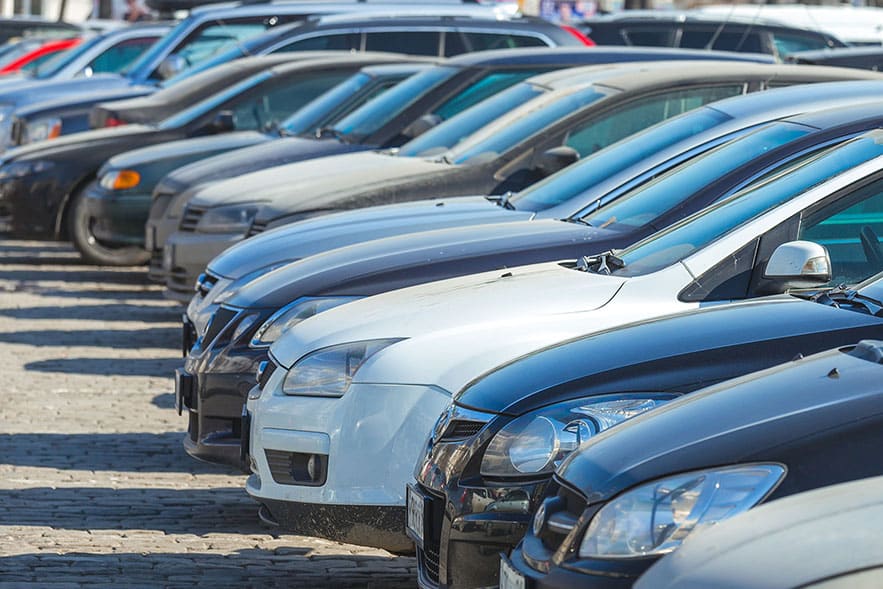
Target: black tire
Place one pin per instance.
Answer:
(91, 249)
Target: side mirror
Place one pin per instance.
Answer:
(171, 66)
(421, 126)
(224, 122)
(798, 264)
(556, 159)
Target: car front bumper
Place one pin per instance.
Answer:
(29, 206)
(185, 256)
(365, 446)
(119, 218)
(559, 577)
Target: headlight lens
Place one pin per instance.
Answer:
(537, 442)
(120, 180)
(41, 130)
(292, 314)
(329, 372)
(229, 219)
(22, 169)
(655, 518)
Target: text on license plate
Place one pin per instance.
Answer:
(415, 514)
(509, 577)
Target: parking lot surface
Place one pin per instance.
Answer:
(95, 489)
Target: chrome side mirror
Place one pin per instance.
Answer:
(171, 66)
(798, 264)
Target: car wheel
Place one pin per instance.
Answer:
(93, 250)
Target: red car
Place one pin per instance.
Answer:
(43, 52)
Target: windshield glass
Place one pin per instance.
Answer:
(375, 114)
(57, 62)
(872, 287)
(698, 230)
(310, 118)
(454, 130)
(582, 177)
(522, 123)
(188, 115)
(159, 48)
(646, 203)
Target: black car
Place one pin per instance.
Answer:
(117, 214)
(220, 365)
(827, 538)
(696, 31)
(476, 494)
(41, 186)
(422, 102)
(637, 491)
(866, 58)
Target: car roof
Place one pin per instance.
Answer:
(354, 6)
(343, 59)
(556, 55)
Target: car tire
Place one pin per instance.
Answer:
(90, 248)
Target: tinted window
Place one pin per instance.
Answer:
(52, 66)
(213, 38)
(314, 115)
(451, 132)
(120, 55)
(479, 90)
(340, 42)
(202, 107)
(789, 43)
(739, 40)
(457, 42)
(839, 225)
(640, 114)
(410, 42)
(645, 203)
(587, 173)
(700, 229)
(35, 63)
(650, 37)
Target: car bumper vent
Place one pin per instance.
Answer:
(460, 429)
(190, 219)
(429, 563)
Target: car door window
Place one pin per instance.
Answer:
(599, 132)
(480, 90)
(336, 42)
(840, 226)
(723, 40)
(650, 37)
(409, 42)
(119, 56)
(458, 42)
(787, 43)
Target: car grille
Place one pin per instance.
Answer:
(429, 562)
(428, 556)
(190, 218)
(221, 319)
(256, 227)
(460, 429)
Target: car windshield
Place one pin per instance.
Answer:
(341, 100)
(644, 204)
(451, 132)
(161, 47)
(375, 114)
(522, 123)
(57, 62)
(700, 229)
(872, 287)
(582, 177)
(188, 115)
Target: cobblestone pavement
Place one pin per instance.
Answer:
(95, 489)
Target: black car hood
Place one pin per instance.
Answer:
(80, 143)
(395, 262)
(783, 414)
(274, 152)
(654, 355)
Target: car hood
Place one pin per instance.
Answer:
(596, 364)
(321, 234)
(311, 185)
(381, 265)
(761, 416)
(38, 91)
(59, 104)
(184, 148)
(76, 142)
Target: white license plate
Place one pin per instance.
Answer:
(509, 577)
(415, 514)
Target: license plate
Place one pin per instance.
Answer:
(168, 254)
(509, 577)
(183, 389)
(415, 514)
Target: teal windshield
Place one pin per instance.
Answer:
(697, 231)
(309, 117)
(522, 124)
(646, 203)
(203, 107)
(56, 63)
(581, 177)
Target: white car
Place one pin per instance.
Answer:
(350, 395)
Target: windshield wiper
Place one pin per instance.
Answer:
(604, 263)
(502, 200)
(324, 132)
(577, 220)
(843, 295)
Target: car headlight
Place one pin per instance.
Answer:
(22, 169)
(292, 314)
(537, 442)
(41, 130)
(228, 219)
(328, 372)
(654, 518)
(120, 180)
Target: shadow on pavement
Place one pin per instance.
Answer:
(113, 366)
(109, 312)
(243, 568)
(151, 337)
(116, 452)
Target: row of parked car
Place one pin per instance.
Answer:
(566, 304)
